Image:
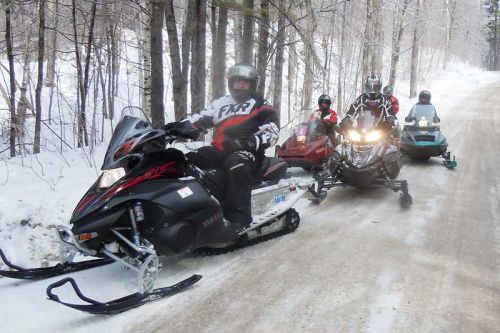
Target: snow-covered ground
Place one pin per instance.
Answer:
(39, 192)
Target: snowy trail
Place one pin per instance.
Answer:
(357, 263)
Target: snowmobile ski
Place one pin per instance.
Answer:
(47, 272)
(121, 304)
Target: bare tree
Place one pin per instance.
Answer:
(157, 108)
(83, 75)
(39, 84)
(198, 45)
(341, 60)
(397, 35)
(175, 59)
(12, 97)
(378, 39)
(415, 53)
(263, 46)
(238, 37)
(187, 36)
(247, 43)
(145, 20)
(278, 62)
(219, 51)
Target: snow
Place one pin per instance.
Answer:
(40, 191)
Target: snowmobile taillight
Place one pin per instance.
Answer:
(86, 237)
(111, 176)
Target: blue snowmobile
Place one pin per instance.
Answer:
(421, 137)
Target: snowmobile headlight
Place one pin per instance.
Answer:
(373, 136)
(111, 176)
(354, 136)
(423, 122)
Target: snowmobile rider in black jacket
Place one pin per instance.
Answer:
(244, 126)
(373, 100)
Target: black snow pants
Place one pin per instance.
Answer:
(238, 168)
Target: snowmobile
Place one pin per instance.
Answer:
(367, 158)
(422, 139)
(308, 148)
(150, 201)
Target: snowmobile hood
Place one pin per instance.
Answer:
(169, 163)
(132, 136)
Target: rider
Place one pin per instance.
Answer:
(245, 125)
(372, 100)
(388, 92)
(328, 115)
(424, 98)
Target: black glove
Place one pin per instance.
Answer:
(183, 129)
(235, 144)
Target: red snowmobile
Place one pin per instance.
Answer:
(309, 146)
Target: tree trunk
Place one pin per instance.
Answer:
(24, 104)
(397, 35)
(12, 77)
(415, 54)
(309, 64)
(263, 47)
(187, 36)
(278, 62)
(292, 74)
(219, 51)
(247, 56)
(198, 55)
(39, 84)
(175, 59)
(52, 43)
(238, 37)
(367, 48)
(378, 40)
(341, 61)
(450, 22)
(157, 108)
(146, 60)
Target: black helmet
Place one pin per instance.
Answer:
(322, 99)
(424, 97)
(388, 90)
(373, 86)
(242, 72)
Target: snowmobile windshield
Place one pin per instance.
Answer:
(364, 129)
(309, 132)
(316, 129)
(129, 133)
(424, 116)
(366, 121)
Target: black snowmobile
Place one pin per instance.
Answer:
(367, 158)
(152, 201)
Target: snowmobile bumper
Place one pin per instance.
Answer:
(70, 243)
(422, 150)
